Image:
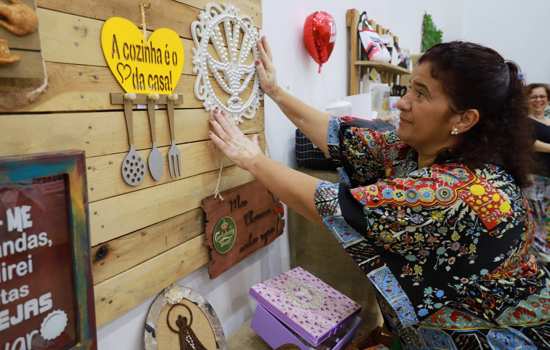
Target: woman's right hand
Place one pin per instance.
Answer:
(266, 70)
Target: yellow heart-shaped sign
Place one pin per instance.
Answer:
(141, 65)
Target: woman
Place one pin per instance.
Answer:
(433, 214)
(538, 95)
(539, 192)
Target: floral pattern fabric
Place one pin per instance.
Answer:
(451, 243)
(539, 198)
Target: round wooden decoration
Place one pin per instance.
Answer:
(182, 311)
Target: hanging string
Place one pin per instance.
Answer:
(217, 193)
(143, 6)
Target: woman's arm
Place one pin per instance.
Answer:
(311, 121)
(295, 189)
(542, 147)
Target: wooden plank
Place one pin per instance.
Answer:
(251, 8)
(117, 216)
(30, 66)
(105, 181)
(101, 133)
(118, 295)
(163, 13)
(27, 42)
(116, 256)
(81, 88)
(352, 18)
(383, 67)
(73, 39)
(85, 88)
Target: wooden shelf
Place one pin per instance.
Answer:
(386, 67)
(389, 73)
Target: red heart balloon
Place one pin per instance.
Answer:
(319, 36)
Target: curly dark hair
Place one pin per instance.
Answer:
(477, 77)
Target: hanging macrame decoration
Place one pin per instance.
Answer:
(223, 59)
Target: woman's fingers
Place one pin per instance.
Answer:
(266, 47)
(261, 71)
(217, 141)
(219, 130)
(264, 56)
(228, 125)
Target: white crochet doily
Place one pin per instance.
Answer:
(224, 56)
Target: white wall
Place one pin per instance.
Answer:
(517, 30)
(282, 23)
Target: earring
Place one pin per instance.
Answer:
(454, 131)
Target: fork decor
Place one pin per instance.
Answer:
(231, 67)
(174, 156)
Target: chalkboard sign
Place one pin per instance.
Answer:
(46, 294)
(247, 219)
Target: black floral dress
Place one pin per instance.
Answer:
(445, 246)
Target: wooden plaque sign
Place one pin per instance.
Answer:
(142, 65)
(181, 318)
(247, 219)
(46, 294)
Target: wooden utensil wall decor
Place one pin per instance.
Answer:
(145, 68)
(246, 220)
(46, 294)
(181, 318)
(133, 166)
(230, 65)
(22, 69)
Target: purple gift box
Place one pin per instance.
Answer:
(298, 308)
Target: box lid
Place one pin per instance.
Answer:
(304, 303)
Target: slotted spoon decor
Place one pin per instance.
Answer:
(133, 167)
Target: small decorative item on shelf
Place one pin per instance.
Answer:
(298, 308)
(372, 46)
(319, 36)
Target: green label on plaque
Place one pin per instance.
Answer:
(225, 234)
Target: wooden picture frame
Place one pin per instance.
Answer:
(43, 210)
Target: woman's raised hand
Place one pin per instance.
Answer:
(232, 142)
(266, 70)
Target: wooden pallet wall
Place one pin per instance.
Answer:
(142, 238)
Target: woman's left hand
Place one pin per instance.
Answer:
(232, 142)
